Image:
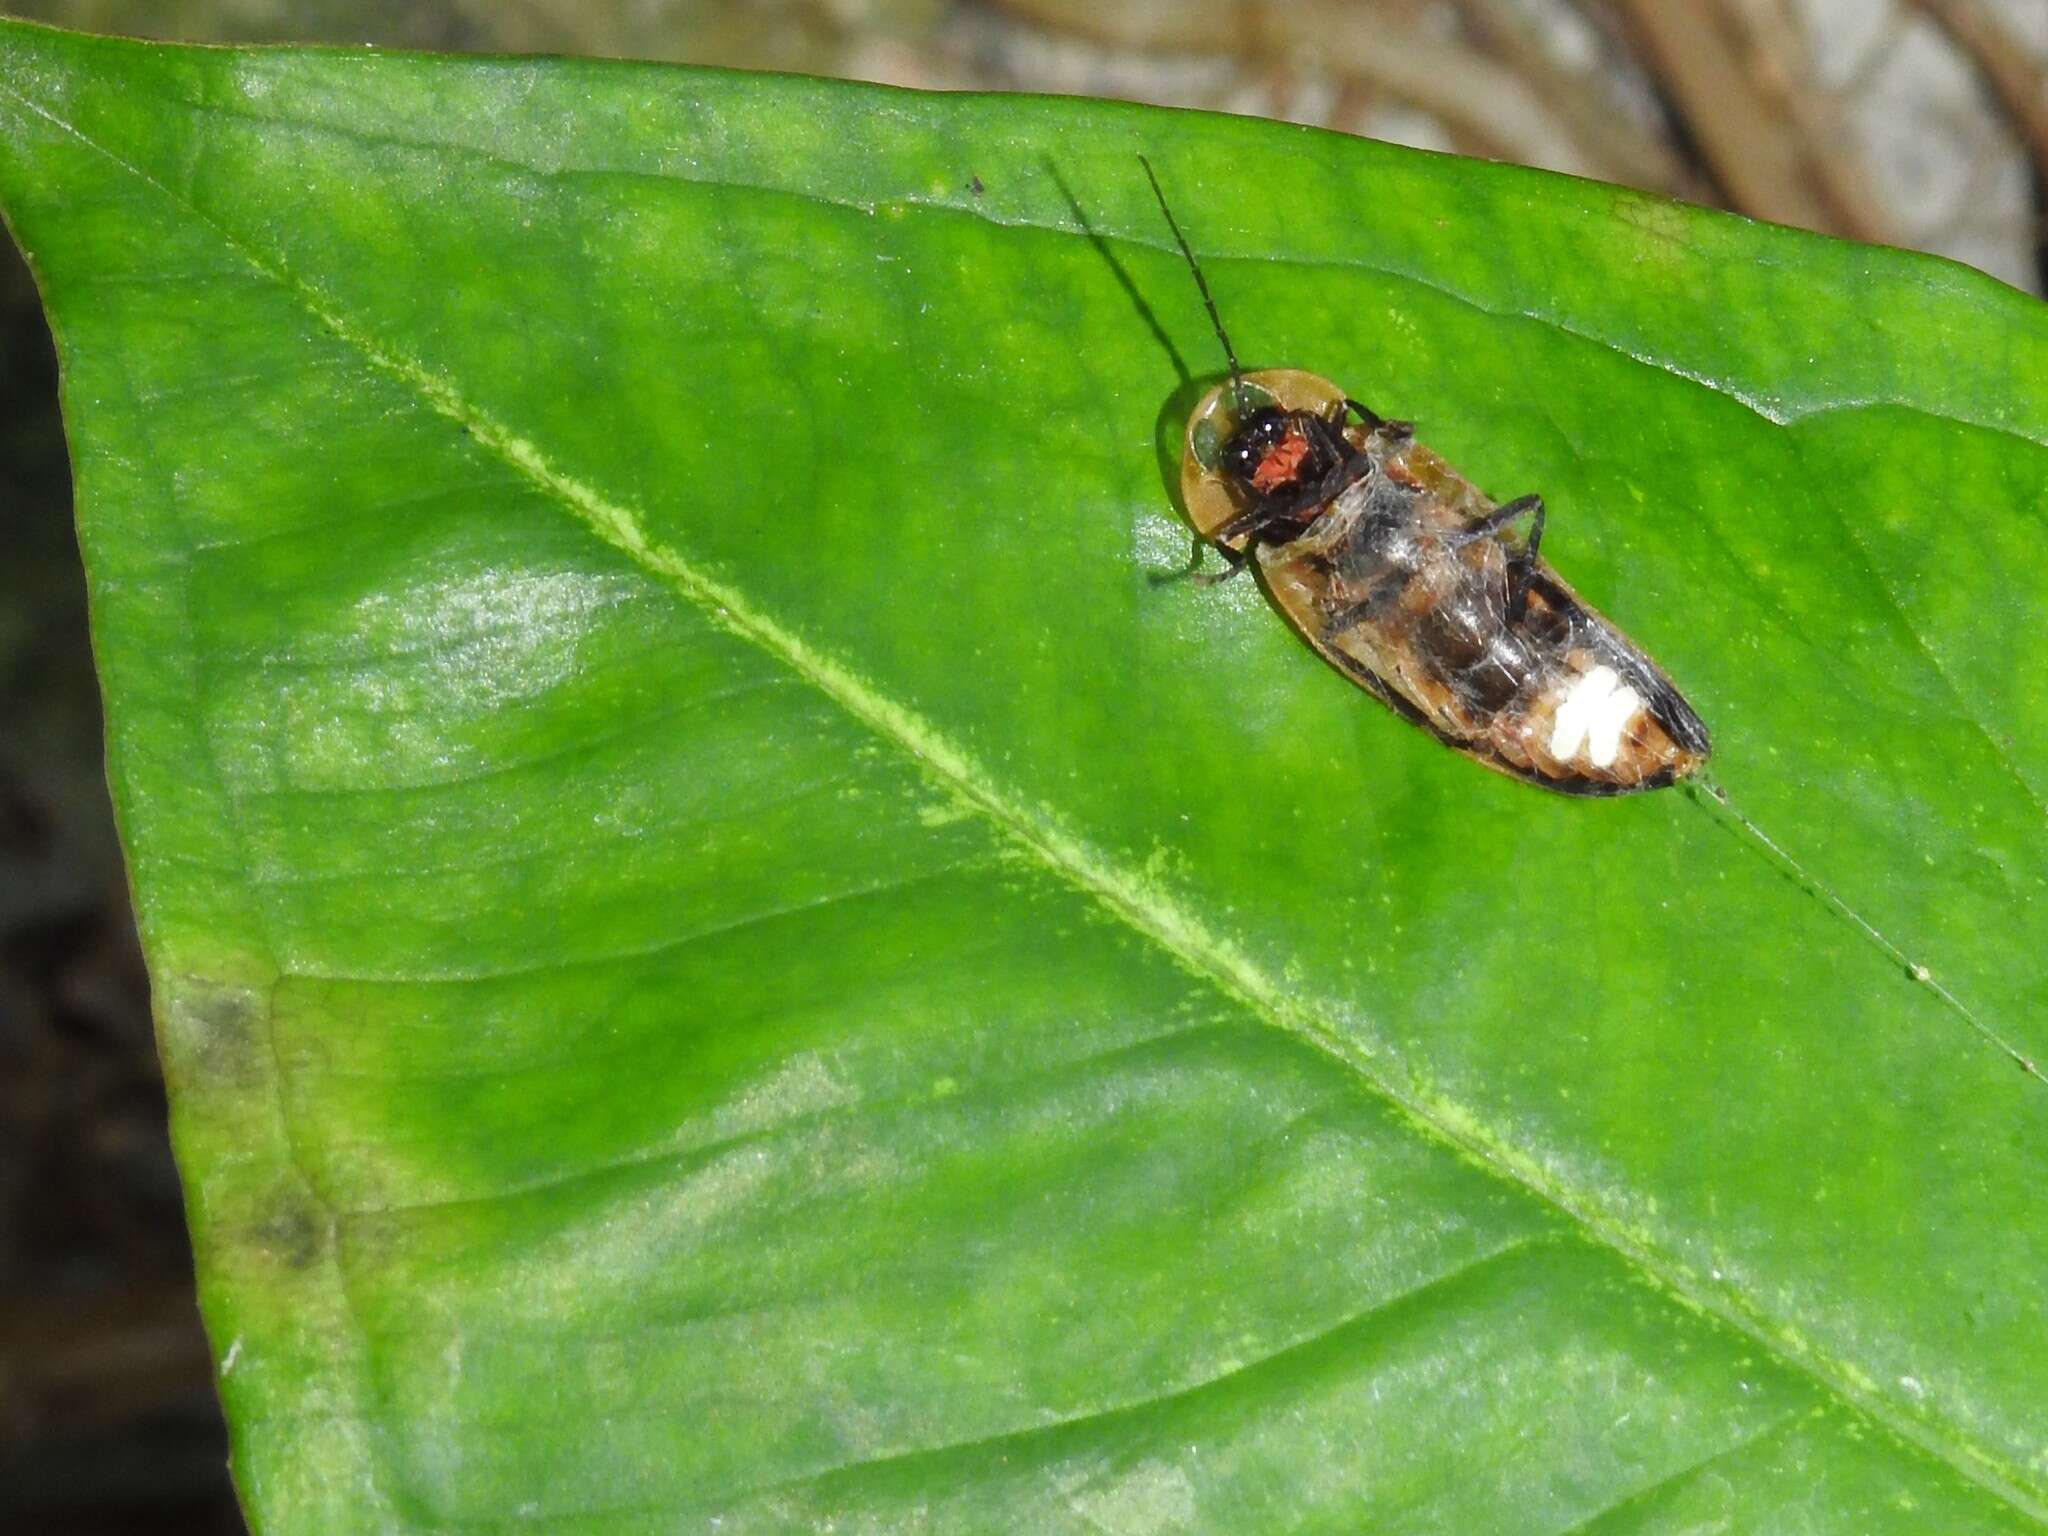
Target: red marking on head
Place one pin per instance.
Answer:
(1282, 461)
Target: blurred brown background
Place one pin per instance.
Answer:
(1915, 122)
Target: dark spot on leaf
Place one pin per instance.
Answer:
(295, 1232)
(213, 1031)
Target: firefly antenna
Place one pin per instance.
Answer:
(1236, 377)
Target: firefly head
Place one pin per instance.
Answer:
(1271, 441)
(1275, 453)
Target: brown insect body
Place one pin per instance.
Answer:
(1419, 588)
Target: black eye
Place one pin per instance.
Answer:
(1243, 454)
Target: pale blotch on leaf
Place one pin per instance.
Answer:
(371, 701)
(1152, 1497)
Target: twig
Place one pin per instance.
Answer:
(1755, 145)
(1782, 62)
(1632, 156)
(1484, 103)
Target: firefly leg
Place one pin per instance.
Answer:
(1522, 506)
(1252, 521)
(1233, 563)
(1349, 464)
(1260, 522)
(1329, 438)
(1374, 422)
(1234, 560)
(1521, 562)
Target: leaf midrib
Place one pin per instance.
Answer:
(1148, 911)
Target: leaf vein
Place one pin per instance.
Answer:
(1404, 1300)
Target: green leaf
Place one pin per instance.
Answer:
(725, 951)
